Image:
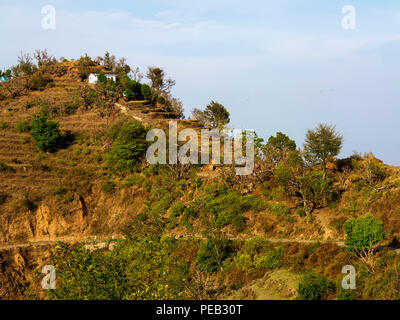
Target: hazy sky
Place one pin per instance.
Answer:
(282, 65)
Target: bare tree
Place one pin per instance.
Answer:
(158, 80)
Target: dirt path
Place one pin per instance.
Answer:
(94, 239)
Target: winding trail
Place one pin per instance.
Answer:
(94, 242)
(97, 239)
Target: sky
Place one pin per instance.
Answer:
(276, 65)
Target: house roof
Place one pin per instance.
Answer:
(107, 74)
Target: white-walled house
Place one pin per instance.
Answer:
(94, 77)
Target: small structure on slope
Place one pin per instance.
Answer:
(94, 77)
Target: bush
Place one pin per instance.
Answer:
(227, 207)
(363, 233)
(39, 81)
(161, 100)
(146, 91)
(346, 295)
(129, 147)
(46, 134)
(4, 125)
(177, 209)
(314, 287)
(6, 168)
(213, 253)
(24, 126)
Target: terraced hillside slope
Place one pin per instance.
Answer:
(229, 236)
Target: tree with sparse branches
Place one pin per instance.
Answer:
(158, 80)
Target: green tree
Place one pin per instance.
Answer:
(282, 141)
(322, 144)
(146, 91)
(213, 253)
(129, 147)
(46, 134)
(215, 115)
(363, 234)
(24, 126)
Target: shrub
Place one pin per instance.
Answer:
(270, 260)
(177, 209)
(161, 100)
(24, 126)
(279, 209)
(363, 235)
(129, 147)
(46, 134)
(314, 287)
(6, 168)
(146, 91)
(4, 125)
(227, 206)
(346, 295)
(213, 253)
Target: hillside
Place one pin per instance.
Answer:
(75, 192)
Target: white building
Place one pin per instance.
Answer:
(94, 77)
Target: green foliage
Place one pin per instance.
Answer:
(46, 134)
(144, 266)
(177, 209)
(282, 141)
(256, 254)
(279, 209)
(161, 100)
(146, 91)
(226, 206)
(4, 125)
(24, 126)
(129, 147)
(363, 233)
(322, 143)
(102, 78)
(346, 295)
(215, 115)
(314, 287)
(132, 89)
(213, 253)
